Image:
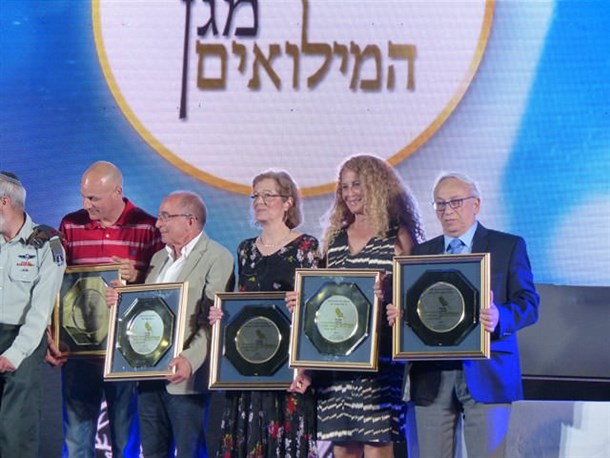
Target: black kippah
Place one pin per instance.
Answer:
(10, 177)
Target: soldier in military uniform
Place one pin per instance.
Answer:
(31, 270)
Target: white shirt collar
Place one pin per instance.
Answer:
(186, 249)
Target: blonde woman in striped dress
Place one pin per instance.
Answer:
(372, 219)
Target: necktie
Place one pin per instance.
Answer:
(455, 246)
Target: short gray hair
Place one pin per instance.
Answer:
(11, 187)
(474, 187)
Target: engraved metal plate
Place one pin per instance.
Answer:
(336, 318)
(145, 332)
(442, 307)
(85, 313)
(256, 340)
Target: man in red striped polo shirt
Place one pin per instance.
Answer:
(108, 230)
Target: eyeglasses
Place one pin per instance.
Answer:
(441, 205)
(167, 216)
(265, 196)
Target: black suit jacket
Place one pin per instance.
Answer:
(497, 380)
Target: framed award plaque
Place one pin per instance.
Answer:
(80, 317)
(335, 320)
(250, 344)
(146, 331)
(440, 298)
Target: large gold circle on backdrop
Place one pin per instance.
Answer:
(292, 84)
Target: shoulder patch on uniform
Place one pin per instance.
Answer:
(42, 234)
(57, 250)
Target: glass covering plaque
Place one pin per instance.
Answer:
(446, 307)
(441, 307)
(146, 331)
(440, 298)
(250, 344)
(256, 340)
(81, 316)
(335, 319)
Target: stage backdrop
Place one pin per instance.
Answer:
(203, 95)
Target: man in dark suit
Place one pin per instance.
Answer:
(480, 391)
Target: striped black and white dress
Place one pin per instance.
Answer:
(357, 406)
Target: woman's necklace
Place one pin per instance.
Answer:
(277, 244)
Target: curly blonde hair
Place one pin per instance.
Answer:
(287, 188)
(387, 201)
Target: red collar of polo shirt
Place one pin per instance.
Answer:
(119, 222)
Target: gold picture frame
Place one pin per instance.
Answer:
(335, 321)
(439, 298)
(249, 348)
(146, 331)
(80, 323)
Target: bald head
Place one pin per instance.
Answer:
(182, 215)
(102, 192)
(103, 172)
(191, 203)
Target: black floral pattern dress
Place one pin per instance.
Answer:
(267, 424)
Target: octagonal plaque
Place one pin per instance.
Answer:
(336, 318)
(145, 331)
(256, 340)
(442, 307)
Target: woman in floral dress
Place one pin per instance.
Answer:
(271, 424)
